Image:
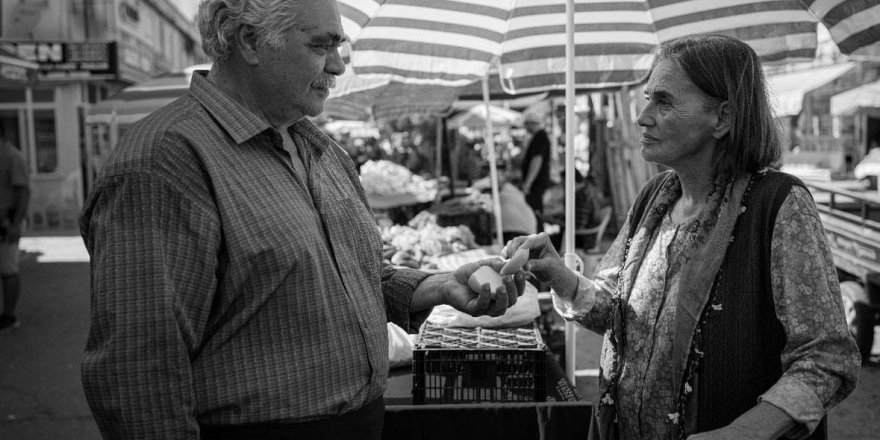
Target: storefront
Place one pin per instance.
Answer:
(44, 117)
(80, 53)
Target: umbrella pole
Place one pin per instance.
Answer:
(493, 171)
(570, 255)
(438, 164)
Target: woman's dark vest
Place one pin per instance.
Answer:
(743, 343)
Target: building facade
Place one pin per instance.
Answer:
(85, 51)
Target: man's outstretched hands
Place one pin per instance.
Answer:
(485, 302)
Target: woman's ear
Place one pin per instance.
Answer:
(722, 125)
(246, 42)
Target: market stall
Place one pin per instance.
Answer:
(493, 376)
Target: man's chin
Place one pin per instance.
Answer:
(314, 110)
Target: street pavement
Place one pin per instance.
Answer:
(41, 395)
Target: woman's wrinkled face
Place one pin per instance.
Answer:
(677, 124)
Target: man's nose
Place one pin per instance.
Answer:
(335, 63)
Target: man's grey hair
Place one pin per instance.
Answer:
(220, 20)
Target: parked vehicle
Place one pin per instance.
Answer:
(850, 214)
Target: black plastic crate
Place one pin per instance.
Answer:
(474, 365)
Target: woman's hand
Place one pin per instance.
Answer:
(544, 263)
(485, 302)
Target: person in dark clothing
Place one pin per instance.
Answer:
(536, 163)
(718, 300)
(588, 204)
(14, 198)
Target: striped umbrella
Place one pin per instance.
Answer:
(456, 41)
(365, 96)
(139, 100)
(541, 45)
(385, 98)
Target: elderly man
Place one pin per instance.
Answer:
(237, 282)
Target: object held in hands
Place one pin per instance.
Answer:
(516, 262)
(483, 275)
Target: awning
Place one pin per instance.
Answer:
(14, 69)
(788, 89)
(135, 102)
(851, 101)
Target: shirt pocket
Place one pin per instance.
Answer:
(355, 239)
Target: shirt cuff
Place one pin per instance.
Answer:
(798, 401)
(578, 305)
(398, 291)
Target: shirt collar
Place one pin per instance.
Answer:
(242, 124)
(239, 122)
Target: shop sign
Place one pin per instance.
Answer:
(13, 73)
(61, 61)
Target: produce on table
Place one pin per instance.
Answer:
(418, 243)
(387, 178)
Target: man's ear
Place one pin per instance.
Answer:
(246, 43)
(722, 125)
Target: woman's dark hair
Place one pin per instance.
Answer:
(729, 70)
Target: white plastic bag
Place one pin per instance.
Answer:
(400, 346)
(523, 312)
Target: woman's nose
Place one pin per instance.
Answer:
(644, 118)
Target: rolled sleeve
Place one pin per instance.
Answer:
(398, 285)
(799, 401)
(591, 305)
(820, 361)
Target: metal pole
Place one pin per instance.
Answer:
(570, 124)
(493, 172)
(438, 166)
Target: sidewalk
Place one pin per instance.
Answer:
(40, 392)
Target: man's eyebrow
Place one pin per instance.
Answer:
(332, 36)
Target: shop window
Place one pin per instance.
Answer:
(12, 95)
(92, 93)
(129, 13)
(44, 95)
(9, 124)
(46, 141)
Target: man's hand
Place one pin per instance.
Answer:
(457, 294)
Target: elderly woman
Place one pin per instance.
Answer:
(719, 301)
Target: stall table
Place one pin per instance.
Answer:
(563, 416)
